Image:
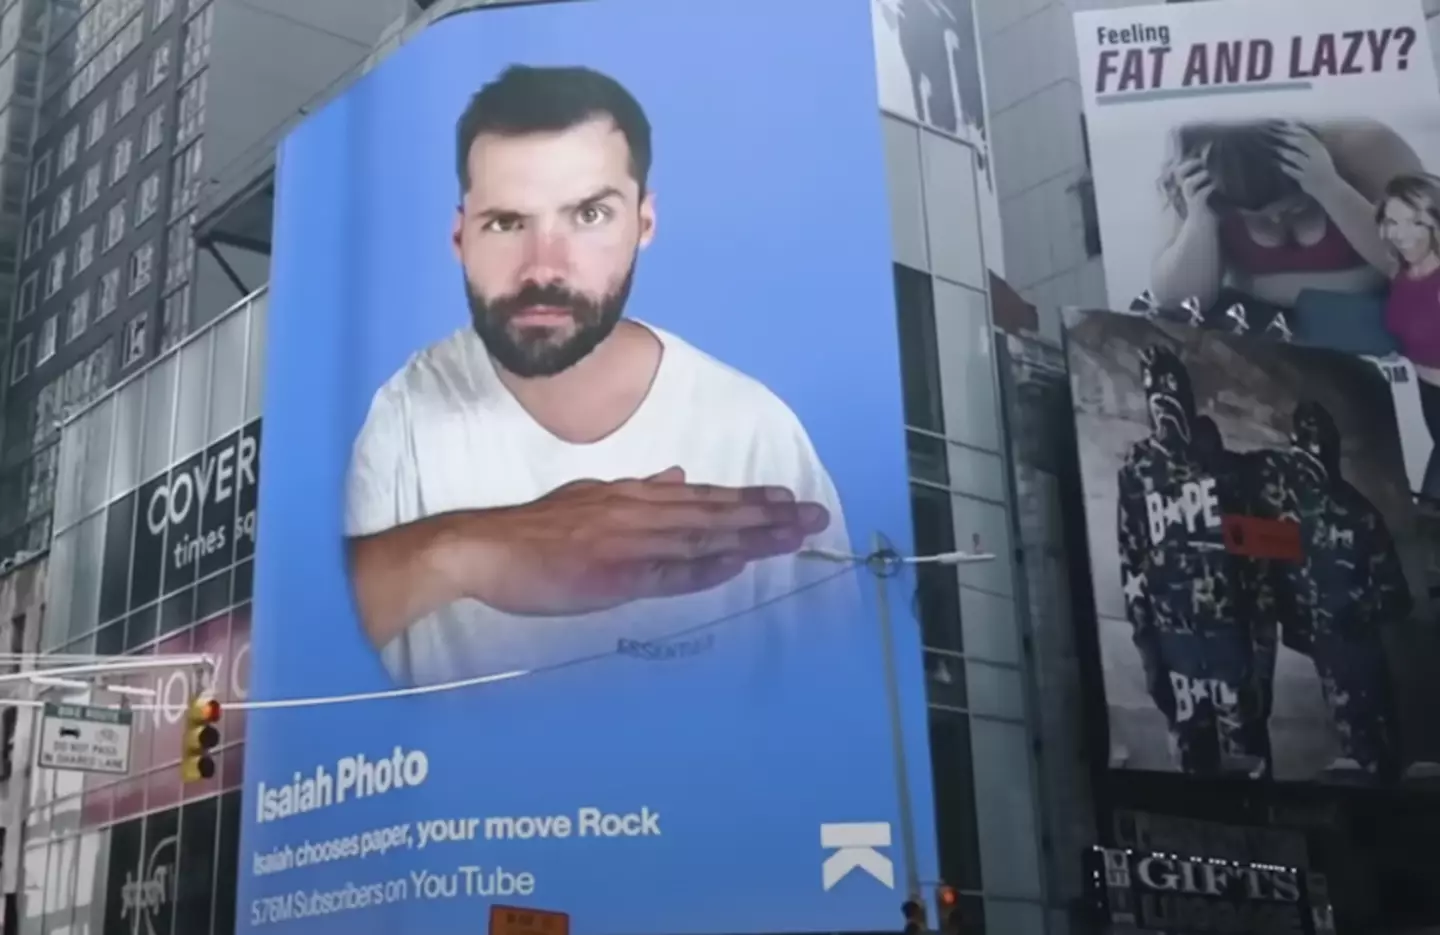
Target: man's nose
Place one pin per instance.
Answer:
(547, 253)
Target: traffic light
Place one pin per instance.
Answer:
(201, 736)
(914, 911)
(947, 910)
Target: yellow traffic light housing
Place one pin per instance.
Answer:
(201, 737)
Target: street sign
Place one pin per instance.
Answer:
(515, 920)
(85, 739)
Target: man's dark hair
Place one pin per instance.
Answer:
(527, 99)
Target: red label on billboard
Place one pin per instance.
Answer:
(515, 920)
(1253, 537)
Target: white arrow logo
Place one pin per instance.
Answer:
(854, 845)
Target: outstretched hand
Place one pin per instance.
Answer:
(593, 545)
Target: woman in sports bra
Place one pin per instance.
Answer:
(1409, 223)
(1266, 209)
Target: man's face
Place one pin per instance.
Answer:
(548, 233)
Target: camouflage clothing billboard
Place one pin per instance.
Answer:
(1254, 549)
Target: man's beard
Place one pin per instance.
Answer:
(536, 351)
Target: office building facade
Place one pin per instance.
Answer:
(114, 160)
(139, 104)
(146, 850)
(22, 37)
(151, 556)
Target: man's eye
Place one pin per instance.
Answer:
(501, 225)
(592, 214)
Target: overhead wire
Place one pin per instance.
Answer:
(851, 563)
(460, 684)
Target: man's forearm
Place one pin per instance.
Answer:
(403, 574)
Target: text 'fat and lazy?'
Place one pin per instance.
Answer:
(1141, 58)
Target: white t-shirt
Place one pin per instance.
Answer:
(445, 434)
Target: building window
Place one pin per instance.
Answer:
(85, 250)
(47, 411)
(953, 768)
(129, 95)
(197, 42)
(27, 295)
(192, 108)
(79, 317)
(55, 274)
(120, 159)
(90, 185)
(142, 267)
(18, 145)
(78, 87)
(159, 66)
(41, 493)
(154, 131)
(163, 8)
(185, 184)
(1089, 215)
(109, 58)
(174, 319)
(20, 360)
(12, 192)
(937, 589)
(149, 198)
(10, 718)
(69, 148)
(179, 253)
(27, 71)
(40, 175)
(919, 356)
(109, 293)
(98, 367)
(45, 349)
(136, 332)
(34, 235)
(98, 124)
(115, 224)
(64, 208)
(928, 457)
(98, 22)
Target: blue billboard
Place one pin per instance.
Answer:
(583, 395)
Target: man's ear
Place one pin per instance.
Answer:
(647, 219)
(456, 230)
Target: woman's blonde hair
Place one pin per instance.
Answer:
(1421, 193)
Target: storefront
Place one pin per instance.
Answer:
(1149, 891)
